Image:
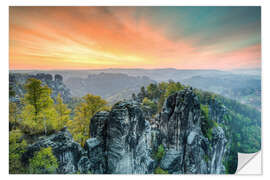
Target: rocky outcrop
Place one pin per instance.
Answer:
(123, 141)
(119, 141)
(71, 156)
(17, 81)
(188, 151)
(127, 136)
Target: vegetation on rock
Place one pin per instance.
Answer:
(43, 162)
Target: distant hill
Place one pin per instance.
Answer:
(244, 88)
(158, 75)
(107, 85)
(243, 85)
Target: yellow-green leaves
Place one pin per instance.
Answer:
(158, 170)
(62, 112)
(38, 114)
(37, 95)
(79, 127)
(43, 162)
(17, 147)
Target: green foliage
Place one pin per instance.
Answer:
(79, 126)
(13, 115)
(44, 123)
(205, 110)
(160, 152)
(242, 122)
(173, 88)
(159, 92)
(62, 112)
(207, 124)
(37, 96)
(150, 104)
(153, 91)
(158, 170)
(242, 125)
(38, 114)
(43, 162)
(246, 133)
(209, 132)
(17, 146)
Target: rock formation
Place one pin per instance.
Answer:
(122, 141)
(188, 151)
(123, 136)
(71, 156)
(18, 80)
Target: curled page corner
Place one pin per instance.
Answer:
(249, 164)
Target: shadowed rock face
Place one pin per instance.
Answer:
(119, 141)
(127, 136)
(188, 151)
(70, 155)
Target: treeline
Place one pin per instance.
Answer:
(37, 114)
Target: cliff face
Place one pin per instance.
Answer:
(185, 145)
(122, 141)
(187, 149)
(123, 136)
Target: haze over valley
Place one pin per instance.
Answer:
(113, 84)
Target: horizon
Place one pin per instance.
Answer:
(96, 38)
(259, 68)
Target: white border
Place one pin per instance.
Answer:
(4, 75)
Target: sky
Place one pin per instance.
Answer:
(49, 38)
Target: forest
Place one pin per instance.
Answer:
(37, 115)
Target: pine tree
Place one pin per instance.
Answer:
(38, 114)
(79, 127)
(62, 112)
(38, 96)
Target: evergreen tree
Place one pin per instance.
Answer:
(38, 96)
(38, 114)
(79, 127)
(62, 112)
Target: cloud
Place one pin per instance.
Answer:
(126, 37)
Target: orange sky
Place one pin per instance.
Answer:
(97, 38)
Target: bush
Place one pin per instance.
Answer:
(158, 170)
(160, 152)
(17, 147)
(43, 162)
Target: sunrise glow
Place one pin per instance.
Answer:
(134, 37)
